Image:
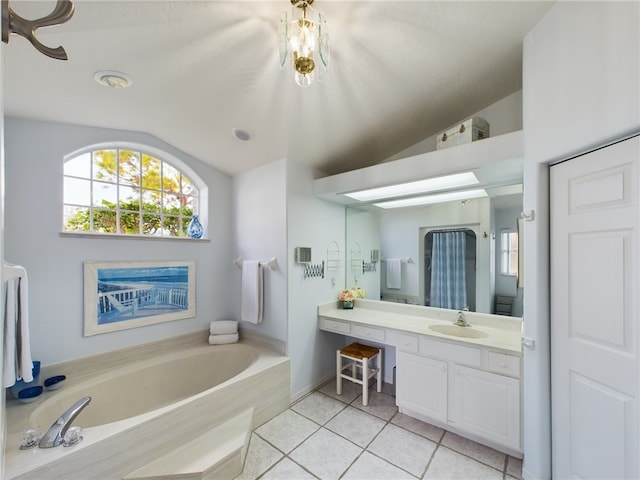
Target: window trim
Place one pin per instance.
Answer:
(163, 156)
(505, 248)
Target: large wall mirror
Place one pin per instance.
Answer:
(403, 252)
(396, 254)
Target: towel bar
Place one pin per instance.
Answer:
(271, 264)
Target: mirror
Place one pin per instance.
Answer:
(403, 240)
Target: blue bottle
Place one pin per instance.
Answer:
(195, 230)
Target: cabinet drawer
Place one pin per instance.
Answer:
(451, 352)
(367, 332)
(408, 343)
(504, 364)
(334, 326)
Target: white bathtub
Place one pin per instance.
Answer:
(144, 409)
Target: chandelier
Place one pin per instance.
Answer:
(304, 43)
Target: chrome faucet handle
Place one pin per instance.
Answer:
(462, 321)
(55, 434)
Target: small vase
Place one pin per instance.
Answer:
(195, 230)
(347, 304)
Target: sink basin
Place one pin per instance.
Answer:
(456, 331)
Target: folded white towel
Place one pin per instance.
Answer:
(223, 327)
(251, 310)
(394, 272)
(223, 339)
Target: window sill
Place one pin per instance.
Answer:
(131, 237)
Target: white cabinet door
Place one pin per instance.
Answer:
(595, 331)
(422, 385)
(485, 404)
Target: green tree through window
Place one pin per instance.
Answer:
(124, 191)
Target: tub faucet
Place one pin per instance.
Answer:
(462, 321)
(55, 434)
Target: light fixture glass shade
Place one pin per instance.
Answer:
(304, 44)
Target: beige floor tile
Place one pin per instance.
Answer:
(318, 407)
(287, 470)
(475, 450)
(416, 426)
(326, 454)
(370, 467)
(380, 404)
(404, 449)
(356, 425)
(260, 457)
(287, 430)
(514, 467)
(450, 465)
(350, 391)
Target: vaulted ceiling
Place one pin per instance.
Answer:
(400, 72)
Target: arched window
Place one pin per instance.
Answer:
(122, 189)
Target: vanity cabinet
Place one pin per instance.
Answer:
(485, 404)
(470, 385)
(421, 383)
(457, 386)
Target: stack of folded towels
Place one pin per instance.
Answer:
(223, 331)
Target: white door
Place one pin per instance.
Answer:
(595, 264)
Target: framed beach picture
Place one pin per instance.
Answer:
(123, 295)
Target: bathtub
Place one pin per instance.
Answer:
(145, 409)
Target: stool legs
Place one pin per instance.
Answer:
(365, 381)
(379, 376)
(338, 373)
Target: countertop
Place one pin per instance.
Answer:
(503, 333)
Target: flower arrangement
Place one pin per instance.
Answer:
(350, 294)
(346, 295)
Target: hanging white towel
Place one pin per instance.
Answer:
(223, 327)
(223, 339)
(18, 364)
(251, 310)
(394, 272)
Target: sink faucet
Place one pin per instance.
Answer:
(55, 434)
(462, 321)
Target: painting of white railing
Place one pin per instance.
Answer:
(137, 293)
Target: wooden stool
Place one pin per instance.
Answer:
(358, 357)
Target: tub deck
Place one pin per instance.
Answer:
(117, 449)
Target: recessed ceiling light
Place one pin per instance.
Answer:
(242, 135)
(437, 198)
(113, 79)
(411, 188)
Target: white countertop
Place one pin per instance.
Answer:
(503, 333)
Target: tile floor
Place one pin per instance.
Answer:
(326, 436)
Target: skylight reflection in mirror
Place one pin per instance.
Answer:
(412, 188)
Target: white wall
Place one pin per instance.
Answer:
(317, 224)
(274, 212)
(363, 234)
(581, 77)
(504, 116)
(34, 153)
(260, 233)
(2, 300)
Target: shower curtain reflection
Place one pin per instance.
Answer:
(450, 264)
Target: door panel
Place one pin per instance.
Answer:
(594, 314)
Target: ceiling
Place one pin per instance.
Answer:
(400, 72)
